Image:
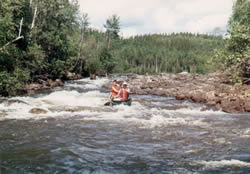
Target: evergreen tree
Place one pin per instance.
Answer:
(112, 26)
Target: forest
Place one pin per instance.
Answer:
(48, 39)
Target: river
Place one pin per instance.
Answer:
(79, 134)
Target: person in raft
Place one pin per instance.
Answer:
(114, 89)
(123, 94)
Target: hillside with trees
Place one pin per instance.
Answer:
(48, 39)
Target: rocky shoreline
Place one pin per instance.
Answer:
(41, 84)
(212, 89)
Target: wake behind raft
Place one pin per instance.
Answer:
(113, 102)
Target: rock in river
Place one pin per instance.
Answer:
(38, 111)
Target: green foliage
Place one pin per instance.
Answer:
(58, 69)
(34, 60)
(47, 45)
(8, 84)
(113, 26)
(93, 66)
(167, 53)
(61, 41)
(236, 53)
(107, 61)
(11, 83)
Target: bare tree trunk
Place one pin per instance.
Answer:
(20, 28)
(156, 65)
(18, 38)
(34, 18)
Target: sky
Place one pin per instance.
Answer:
(139, 17)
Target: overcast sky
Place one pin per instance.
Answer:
(159, 16)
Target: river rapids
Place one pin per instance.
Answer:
(78, 134)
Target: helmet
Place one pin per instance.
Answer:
(124, 83)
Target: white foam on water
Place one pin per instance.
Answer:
(161, 121)
(245, 133)
(20, 110)
(87, 83)
(120, 113)
(94, 83)
(65, 99)
(75, 85)
(74, 98)
(195, 111)
(55, 99)
(137, 114)
(188, 108)
(134, 114)
(224, 163)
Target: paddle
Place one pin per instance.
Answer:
(109, 103)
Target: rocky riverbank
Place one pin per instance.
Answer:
(45, 83)
(211, 90)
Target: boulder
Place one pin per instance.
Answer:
(41, 81)
(58, 82)
(144, 86)
(72, 76)
(69, 76)
(141, 92)
(38, 111)
(181, 97)
(55, 83)
(11, 101)
(247, 105)
(92, 77)
(153, 85)
(33, 86)
(159, 92)
(50, 82)
(198, 98)
(232, 105)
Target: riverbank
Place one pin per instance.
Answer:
(211, 90)
(42, 84)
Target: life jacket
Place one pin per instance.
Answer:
(114, 90)
(124, 94)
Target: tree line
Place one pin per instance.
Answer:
(48, 39)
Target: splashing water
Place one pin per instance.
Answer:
(76, 133)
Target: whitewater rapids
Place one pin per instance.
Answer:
(78, 134)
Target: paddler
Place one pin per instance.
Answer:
(114, 89)
(123, 94)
